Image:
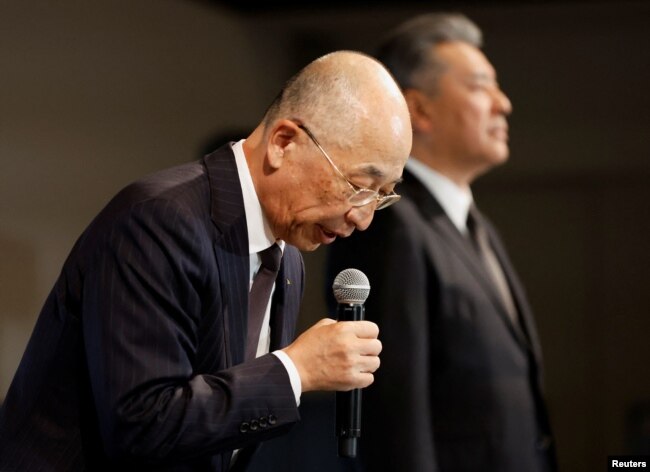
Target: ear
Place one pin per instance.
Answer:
(420, 109)
(282, 137)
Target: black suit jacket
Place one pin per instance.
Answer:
(459, 388)
(135, 362)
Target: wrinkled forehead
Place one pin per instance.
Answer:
(380, 168)
(381, 142)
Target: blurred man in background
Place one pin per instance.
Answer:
(460, 387)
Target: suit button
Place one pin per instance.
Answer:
(272, 420)
(543, 442)
(244, 427)
(264, 422)
(255, 425)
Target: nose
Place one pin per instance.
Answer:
(501, 102)
(361, 217)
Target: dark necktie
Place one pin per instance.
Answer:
(481, 241)
(259, 296)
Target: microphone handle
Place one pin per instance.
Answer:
(348, 404)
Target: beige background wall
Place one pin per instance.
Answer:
(95, 94)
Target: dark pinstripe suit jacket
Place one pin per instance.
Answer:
(135, 362)
(459, 387)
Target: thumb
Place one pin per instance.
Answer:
(325, 322)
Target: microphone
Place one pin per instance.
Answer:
(351, 288)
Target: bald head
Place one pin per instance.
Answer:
(339, 125)
(349, 97)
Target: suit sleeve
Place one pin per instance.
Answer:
(397, 418)
(149, 286)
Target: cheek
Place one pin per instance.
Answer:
(474, 123)
(314, 183)
(460, 122)
(314, 194)
(325, 191)
(319, 214)
(316, 206)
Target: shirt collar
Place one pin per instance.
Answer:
(260, 235)
(454, 200)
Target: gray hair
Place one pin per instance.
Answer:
(407, 50)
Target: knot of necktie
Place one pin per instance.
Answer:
(476, 230)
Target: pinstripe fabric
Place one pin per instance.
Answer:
(135, 360)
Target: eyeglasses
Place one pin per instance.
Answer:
(360, 196)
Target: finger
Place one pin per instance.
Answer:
(369, 364)
(365, 329)
(370, 347)
(325, 322)
(365, 379)
(361, 380)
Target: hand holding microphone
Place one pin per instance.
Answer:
(351, 289)
(336, 356)
(341, 356)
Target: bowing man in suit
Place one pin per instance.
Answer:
(144, 356)
(460, 384)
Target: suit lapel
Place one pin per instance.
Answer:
(231, 249)
(462, 247)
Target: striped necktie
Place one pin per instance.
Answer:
(481, 241)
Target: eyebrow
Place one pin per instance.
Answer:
(481, 76)
(374, 171)
(370, 169)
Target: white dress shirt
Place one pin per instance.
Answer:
(453, 199)
(261, 237)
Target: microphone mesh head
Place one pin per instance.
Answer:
(351, 286)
